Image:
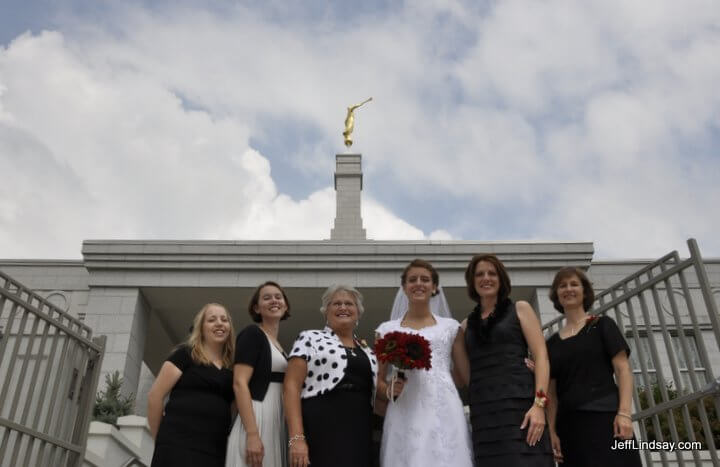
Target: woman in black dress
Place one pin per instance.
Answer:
(506, 399)
(588, 411)
(330, 388)
(193, 428)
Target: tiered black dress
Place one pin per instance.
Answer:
(502, 390)
(196, 423)
(338, 424)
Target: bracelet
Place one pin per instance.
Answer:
(626, 415)
(541, 399)
(292, 440)
(387, 392)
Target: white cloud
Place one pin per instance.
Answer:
(109, 153)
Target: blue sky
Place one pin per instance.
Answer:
(515, 120)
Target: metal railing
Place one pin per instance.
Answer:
(49, 369)
(677, 396)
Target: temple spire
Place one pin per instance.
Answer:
(348, 185)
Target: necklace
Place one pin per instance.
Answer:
(351, 350)
(579, 323)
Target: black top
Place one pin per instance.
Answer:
(358, 375)
(252, 347)
(197, 414)
(582, 366)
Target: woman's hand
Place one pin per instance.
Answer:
(299, 454)
(557, 450)
(535, 417)
(622, 427)
(396, 388)
(254, 451)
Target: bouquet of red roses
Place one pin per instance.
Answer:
(404, 350)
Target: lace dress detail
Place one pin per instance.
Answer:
(426, 426)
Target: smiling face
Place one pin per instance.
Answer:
(487, 281)
(342, 311)
(419, 285)
(570, 292)
(271, 305)
(216, 325)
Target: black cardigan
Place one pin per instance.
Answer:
(252, 347)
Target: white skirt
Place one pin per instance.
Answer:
(271, 426)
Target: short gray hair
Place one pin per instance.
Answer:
(335, 288)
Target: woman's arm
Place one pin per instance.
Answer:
(623, 374)
(295, 375)
(530, 325)
(167, 378)
(552, 420)
(461, 362)
(254, 451)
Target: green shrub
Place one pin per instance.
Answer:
(682, 430)
(110, 403)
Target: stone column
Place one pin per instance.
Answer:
(543, 305)
(348, 185)
(121, 314)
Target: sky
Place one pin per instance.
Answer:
(539, 120)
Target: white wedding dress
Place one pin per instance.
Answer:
(426, 425)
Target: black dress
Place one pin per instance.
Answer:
(338, 424)
(196, 423)
(502, 390)
(581, 366)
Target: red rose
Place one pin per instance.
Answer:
(404, 350)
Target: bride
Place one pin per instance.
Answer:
(425, 425)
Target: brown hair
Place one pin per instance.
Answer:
(564, 273)
(503, 277)
(421, 263)
(256, 298)
(196, 339)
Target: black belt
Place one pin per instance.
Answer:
(277, 377)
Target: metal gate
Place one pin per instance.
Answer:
(49, 369)
(670, 323)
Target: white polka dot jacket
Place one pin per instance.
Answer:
(326, 361)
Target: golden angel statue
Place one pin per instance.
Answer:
(350, 122)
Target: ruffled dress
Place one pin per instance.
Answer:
(502, 390)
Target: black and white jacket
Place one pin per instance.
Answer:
(326, 361)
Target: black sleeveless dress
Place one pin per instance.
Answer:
(502, 390)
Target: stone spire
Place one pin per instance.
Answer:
(348, 185)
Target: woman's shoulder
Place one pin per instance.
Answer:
(311, 335)
(445, 322)
(181, 356)
(315, 333)
(387, 326)
(181, 349)
(605, 320)
(250, 330)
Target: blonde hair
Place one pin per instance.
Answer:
(336, 288)
(195, 341)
